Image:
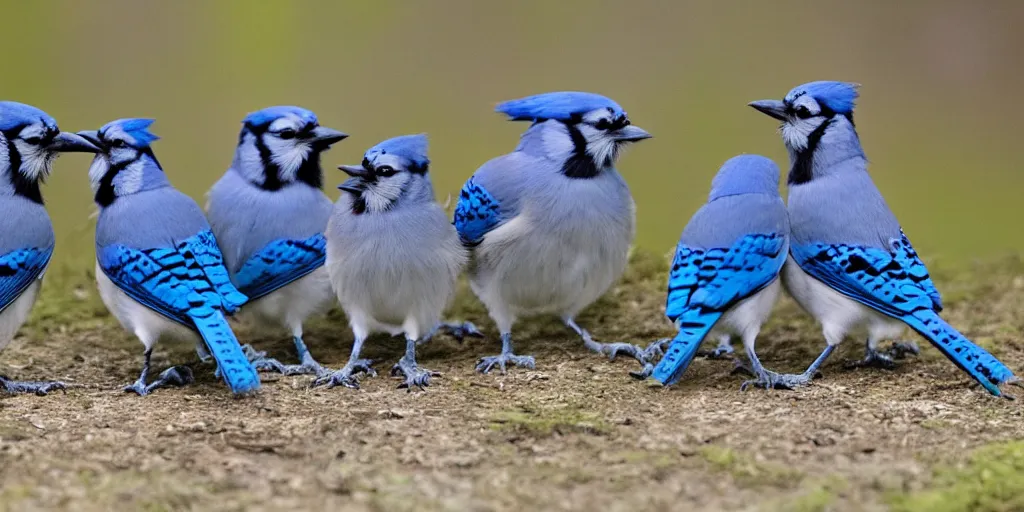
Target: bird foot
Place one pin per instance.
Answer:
(720, 352)
(459, 331)
(772, 380)
(40, 388)
(886, 359)
(173, 377)
(654, 350)
(742, 367)
(486, 364)
(414, 375)
(346, 376)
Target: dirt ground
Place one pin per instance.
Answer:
(576, 434)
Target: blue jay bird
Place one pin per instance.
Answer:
(158, 266)
(724, 277)
(850, 264)
(29, 142)
(269, 213)
(392, 254)
(550, 224)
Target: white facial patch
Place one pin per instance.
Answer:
(35, 160)
(97, 170)
(381, 195)
(287, 154)
(129, 180)
(601, 146)
(796, 131)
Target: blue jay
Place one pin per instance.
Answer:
(724, 277)
(550, 224)
(392, 255)
(29, 142)
(158, 266)
(850, 265)
(269, 213)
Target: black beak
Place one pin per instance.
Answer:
(353, 185)
(771, 108)
(324, 137)
(66, 142)
(356, 171)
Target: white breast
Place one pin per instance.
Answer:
(145, 323)
(12, 317)
(838, 314)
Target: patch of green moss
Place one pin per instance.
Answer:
(991, 480)
(545, 422)
(747, 471)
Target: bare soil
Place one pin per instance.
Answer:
(576, 434)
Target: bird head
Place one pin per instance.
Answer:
(393, 171)
(125, 163)
(29, 143)
(745, 174)
(809, 109)
(281, 145)
(589, 128)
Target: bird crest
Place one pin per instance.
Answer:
(410, 147)
(268, 115)
(14, 114)
(137, 129)
(561, 106)
(840, 97)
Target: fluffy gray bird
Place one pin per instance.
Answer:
(392, 255)
(551, 223)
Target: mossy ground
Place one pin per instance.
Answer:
(577, 433)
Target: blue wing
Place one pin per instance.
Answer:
(18, 269)
(177, 282)
(893, 282)
(714, 279)
(704, 283)
(279, 263)
(476, 214)
(897, 284)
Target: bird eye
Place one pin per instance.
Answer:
(386, 171)
(603, 124)
(34, 140)
(286, 134)
(802, 112)
(118, 143)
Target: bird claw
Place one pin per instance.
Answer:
(486, 364)
(173, 377)
(885, 359)
(656, 348)
(40, 388)
(720, 352)
(414, 375)
(644, 373)
(772, 380)
(347, 375)
(461, 331)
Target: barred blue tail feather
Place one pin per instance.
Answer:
(693, 327)
(976, 361)
(234, 366)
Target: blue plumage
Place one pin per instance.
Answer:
(278, 263)
(411, 147)
(136, 128)
(188, 284)
(18, 269)
(562, 106)
(14, 114)
(704, 283)
(476, 213)
(840, 97)
(268, 115)
(897, 284)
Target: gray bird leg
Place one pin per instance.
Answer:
(763, 378)
(792, 381)
(414, 375)
(885, 359)
(459, 331)
(506, 357)
(611, 349)
(347, 375)
(40, 388)
(175, 376)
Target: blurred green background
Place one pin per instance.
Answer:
(939, 115)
